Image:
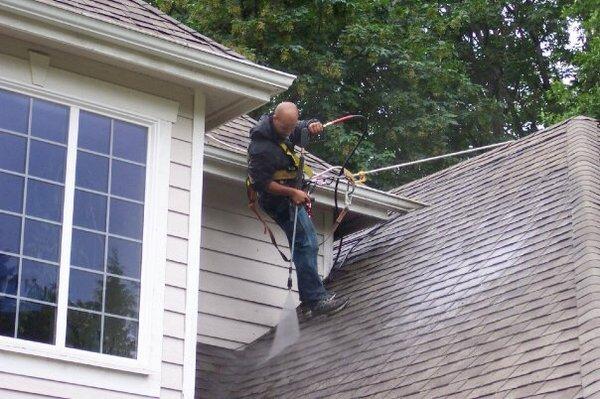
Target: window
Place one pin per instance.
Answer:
(33, 141)
(106, 235)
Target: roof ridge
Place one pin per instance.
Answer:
(492, 153)
(583, 157)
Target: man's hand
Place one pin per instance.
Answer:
(299, 197)
(315, 128)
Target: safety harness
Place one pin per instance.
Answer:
(292, 173)
(282, 176)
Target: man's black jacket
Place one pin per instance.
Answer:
(265, 156)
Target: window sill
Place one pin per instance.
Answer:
(46, 351)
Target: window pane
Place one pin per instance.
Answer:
(47, 161)
(44, 200)
(129, 141)
(11, 188)
(90, 211)
(8, 309)
(36, 322)
(12, 152)
(42, 240)
(94, 132)
(39, 281)
(124, 257)
(50, 121)
(122, 297)
(96, 290)
(128, 180)
(14, 111)
(10, 233)
(85, 290)
(9, 274)
(83, 330)
(126, 218)
(120, 337)
(87, 250)
(92, 172)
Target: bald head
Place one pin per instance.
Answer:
(285, 118)
(286, 108)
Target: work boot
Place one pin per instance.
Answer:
(305, 307)
(328, 305)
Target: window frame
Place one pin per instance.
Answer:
(153, 250)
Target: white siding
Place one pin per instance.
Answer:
(243, 278)
(177, 225)
(20, 395)
(177, 257)
(29, 387)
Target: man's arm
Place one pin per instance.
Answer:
(297, 196)
(260, 169)
(313, 125)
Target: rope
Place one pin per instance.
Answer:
(373, 171)
(231, 147)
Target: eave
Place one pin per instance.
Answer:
(369, 205)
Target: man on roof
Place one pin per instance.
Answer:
(278, 197)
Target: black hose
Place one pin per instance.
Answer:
(337, 181)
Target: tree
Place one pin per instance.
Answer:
(580, 94)
(431, 77)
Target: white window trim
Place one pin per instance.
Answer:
(150, 328)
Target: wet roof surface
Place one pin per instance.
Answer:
(491, 291)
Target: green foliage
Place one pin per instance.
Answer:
(581, 96)
(431, 76)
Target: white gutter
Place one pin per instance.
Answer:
(366, 201)
(168, 58)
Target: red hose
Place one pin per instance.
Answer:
(340, 120)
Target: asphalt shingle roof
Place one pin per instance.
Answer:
(491, 291)
(142, 17)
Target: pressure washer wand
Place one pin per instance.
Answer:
(289, 281)
(299, 178)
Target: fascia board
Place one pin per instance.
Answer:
(366, 200)
(195, 65)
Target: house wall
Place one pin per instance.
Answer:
(242, 276)
(14, 54)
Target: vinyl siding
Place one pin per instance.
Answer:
(242, 277)
(36, 388)
(177, 257)
(173, 328)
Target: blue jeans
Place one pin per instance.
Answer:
(306, 249)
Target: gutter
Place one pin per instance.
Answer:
(367, 201)
(74, 29)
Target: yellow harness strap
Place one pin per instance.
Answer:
(291, 174)
(278, 175)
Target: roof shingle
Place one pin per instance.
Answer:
(142, 17)
(491, 291)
